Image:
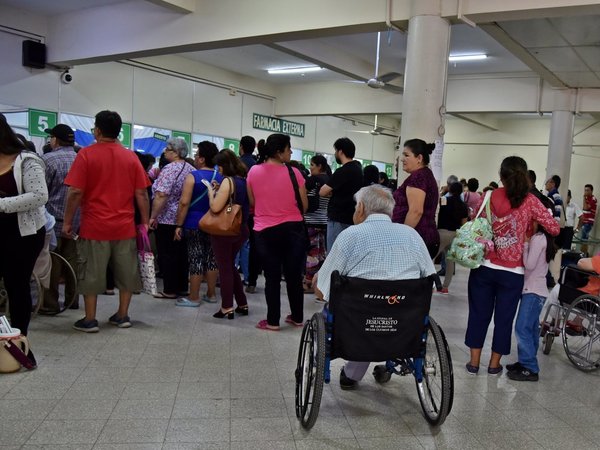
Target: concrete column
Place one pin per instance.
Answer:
(561, 142)
(425, 78)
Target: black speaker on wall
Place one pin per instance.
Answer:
(34, 54)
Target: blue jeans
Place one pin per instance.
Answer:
(333, 229)
(527, 330)
(586, 228)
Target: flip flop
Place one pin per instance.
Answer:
(187, 302)
(289, 320)
(163, 295)
(263, 325)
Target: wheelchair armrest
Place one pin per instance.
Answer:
(574, 269)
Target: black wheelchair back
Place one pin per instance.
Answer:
(371, 321)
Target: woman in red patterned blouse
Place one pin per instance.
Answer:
(495, 287)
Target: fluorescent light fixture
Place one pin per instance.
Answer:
(456, 58)
(294, 70)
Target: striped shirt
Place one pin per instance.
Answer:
(377, 249)
(58, 163)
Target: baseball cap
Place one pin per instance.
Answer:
(63, 132)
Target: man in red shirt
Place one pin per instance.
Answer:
(104, 181)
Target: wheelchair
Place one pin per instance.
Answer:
(576, 319)
(374, 320)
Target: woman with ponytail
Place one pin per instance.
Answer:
(496, 286)
(417, 198)
(277, 192)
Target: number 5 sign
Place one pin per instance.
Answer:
(41, 120)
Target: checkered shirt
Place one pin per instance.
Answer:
(58, 162)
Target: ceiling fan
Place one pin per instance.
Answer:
(376, 131)
(382, 82)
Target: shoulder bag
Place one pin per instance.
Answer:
(299, 203)
(227, 222)
(469, 246)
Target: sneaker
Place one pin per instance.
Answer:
(347, 384)
(523, 374)
(89, 326)
(250, 289)
(123, 322)
(443, 291)
(514, 367)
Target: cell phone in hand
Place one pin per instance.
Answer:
(206, 183)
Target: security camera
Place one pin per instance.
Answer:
(66, 77)
(397, 147)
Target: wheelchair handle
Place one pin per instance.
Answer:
(437, 281)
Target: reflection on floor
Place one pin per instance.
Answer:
(180, 379)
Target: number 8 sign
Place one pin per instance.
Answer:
(40, 120)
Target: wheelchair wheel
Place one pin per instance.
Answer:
(310, 371)
(67, 282)
(581, 333)
(436, 390)
(547, 341)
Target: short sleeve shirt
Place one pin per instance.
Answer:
(424, 180)
(108, 174)
(345, 182)
(170, 182)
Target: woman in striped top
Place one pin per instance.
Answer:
(316, 218)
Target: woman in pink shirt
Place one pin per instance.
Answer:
(496, 286)
(279, 226)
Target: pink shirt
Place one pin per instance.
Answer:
(274, 198)
(536, 267)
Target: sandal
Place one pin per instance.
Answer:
(187, 302)
(263, 325)
(163, 295)
(288, 319)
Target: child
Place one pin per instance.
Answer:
(538, 252)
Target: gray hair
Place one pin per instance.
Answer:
(376, 199)
(452, 179)
(179, 145)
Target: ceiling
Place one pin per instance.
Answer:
(57, 7)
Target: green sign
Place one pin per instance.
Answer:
(187, 137)
(232, 145)
(125, 135)
(366, 163)
(306, 157)
(40, 120)
(276, 125)
(160, 137)
(389, 170)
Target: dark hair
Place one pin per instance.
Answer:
(473, 184)
(569, 193)
(458, 208)
(275, 143)
(551, 247)
(532, 176)
(230, 164)
(10, 144)
(556, 180)
(208, 151)
(384, 180)
(346, 146)
(589, 186)
(513, 173)
(456, 189)
(301, 168)
(28, 144)
(321, 161)
(162, 161)
(247, 143)
(146, 159)
(109, 123)
(493, 185)
(420, 147)
(370, 175)
(47, 148)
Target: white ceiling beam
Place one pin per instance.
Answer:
(180, 6)
(478, 119)
(481, 11)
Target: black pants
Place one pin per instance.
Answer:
(17, 258)
(566, 236)
(172, 260)
(254, 266)
(283, 246)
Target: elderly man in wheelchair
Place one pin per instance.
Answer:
(573, 311)
(378, 281)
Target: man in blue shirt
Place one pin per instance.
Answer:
(376, 249)
(552, 186)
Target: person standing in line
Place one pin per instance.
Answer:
(58, 163)
(552, 185)
(98, 184)
(172, 254)
(590, 204)
(573, 214)
(494, 289)
(417, 198)
(341, 187)
(471, 197)
(279, 226)
(247, 254)
(538, 251)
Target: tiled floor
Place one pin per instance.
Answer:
(180, 379)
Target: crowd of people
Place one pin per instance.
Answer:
(295, 225)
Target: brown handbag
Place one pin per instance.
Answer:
(227, 222)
